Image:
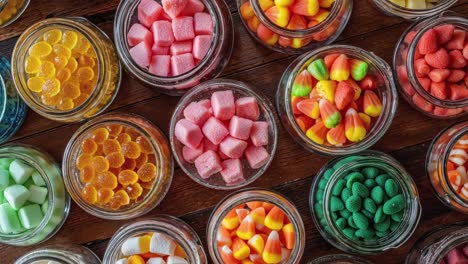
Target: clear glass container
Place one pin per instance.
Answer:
(13, 109)
(204, 91)
(435, 244)
(64, 254)
(210, 67)
(322, 34)
(11, 10)
(386, 90)
(392, 9)
(327, 226)
(406, 79)
(155, 190)
(171, 226)
(108, 69)
(233, 200)
(339, 259)
(58, 199)
(436, 166)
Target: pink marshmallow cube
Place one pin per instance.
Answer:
(201, 45)
(208, 164)
(162, 33)
(214, 130)
(232, 171)
(182, 28)
(455, 256)
(247, 107)
(203, 24)
(160, 65)
(174, 7)
(259, 133)
(181, 47)
(148, 12)
(192, 7)
(256, 156)
(159, 50)
(182, 63)
(141, 54)
(139, 33)
(196, 113)
(190, 154)
(222, 103)
(233, 147)
(188, 133)
(222, 155)
(208, 145)
(240, 127)
(206, 103)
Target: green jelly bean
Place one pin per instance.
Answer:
(381, 179)
(336, 204)
(394, 226)
(345, 213)
(365, 233)
(391, 187)
(353, 204)
(398, 216)
(358, 69)
(381, 234)
(370, 183)
(322, 184)
(318, 210)
(318, 69)
(339, 186)
(341, 223)
(379, 216)
(351, 222)
(383, 226)
(360, 189)
(370, 172)
(328, 173)
(394, 205)
(377, 194)
(354, 177)
(368, 214)
(369, 205)
(349, 232)
(344, 161)
(345, 194)
(319, 195)
(334, 216)
(360, 220)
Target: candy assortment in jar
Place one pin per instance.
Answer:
(413, 9)
(416, 4)
(10, 10)
(457, 166)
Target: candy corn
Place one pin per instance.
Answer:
(331, 117)
(309, 107)
(266, 35)
(223, 237)
(289, 235)
(257, 243)
(227, 255)
(344, 95)
(457, 166)
(305, 7)
(305, 122)
(231, 220)
(358, 69)
(319, 70)
(317, 133)
(372, 104)
(265, 4)
(326, 89)
(340, 68)
(284, 3)
(258, 215)
(272, 251)
(240, 250)
(278, 15)
(355, 130)
(246, 10)
(246, 229)
(302, 85)
(274, 219)
(336, 136)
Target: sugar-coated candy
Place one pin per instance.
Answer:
(302, 85)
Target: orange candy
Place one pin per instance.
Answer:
(123, 138)
(89, 193)
(104, 195)
(145, 146)
(83, 160)
(100, 164)
(111, 145)
(141, 160)
(127, 177)
(114, 129)
(87, 174)
(134, 191)
(131, 150)
(115, 159)
(105, 180)
(88, 146)
(100, 135)
(147, 172)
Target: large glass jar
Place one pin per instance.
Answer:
(57, 206)
(79, 73)
(66, 254)
(11, 10)
(389, 7)
(208, 68)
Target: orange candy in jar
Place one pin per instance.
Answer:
(457, 166)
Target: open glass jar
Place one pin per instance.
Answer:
(339, 259)
(298, 34)
(68, 254)
(177, 230)
(448, 177)
(339, 208)
(11, 10)
(224, 218)
(208, 68)
(390, 8)
(433, 246)
(55, 207)
(13, 109)
(118, 166)
(66, 69)
(384, 88)
(411, 86)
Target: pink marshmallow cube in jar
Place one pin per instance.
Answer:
(234, 151)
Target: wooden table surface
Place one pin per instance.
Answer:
(293, 168)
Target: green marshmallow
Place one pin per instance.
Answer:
(370, 183)
(30, 216)
(45, 207)
(4, 179)
(391, 187)
(358, 69)
(379, 216)
(20, 171)
(9, 221)
(336, 204)
(353, 204)
(360, 220)
(370, 172)
(5, 163)
(381, 180)
(394, 205)
(344, 161)
(349, 232)
(16, 195)
(28, 183)
(383, 226)
(38, 194)
(319, 70)
(369, 205)
(360, 190)
(339, 186)
(341, 223)
(377, 194)
(354, 177)
(2, 198)
(328, 173)
(37, 178)
(345, 194)
(367, 234)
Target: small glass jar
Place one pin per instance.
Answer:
(436, 166)
(256, 195)
(11, 10)
(154, 191)
(392, 9)
(171, 226)
(435, 244)
(407, 81)
(13, 108)
(204, 91)
(209, 67)
(58, 199)
(339, 259)
(102, 91)
(338, 169)
(386, 90)
(64, 254)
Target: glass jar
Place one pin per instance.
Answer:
(11, 10)
(338, 169)
(392, 9)
(407, 81)
(204, 91)
(153, 191)
(255, 195)
(104, 83)
(171, 226)
(436, 166)
(13, 108)
(209, 67)
(339, 259)
(386, 90)
(58, 200)
(65, 254)
(435, 244)
(298, 41)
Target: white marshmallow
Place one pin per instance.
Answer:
(176, 260)
(162, 244)
(131, 246)
(122, 261)
(155, 261)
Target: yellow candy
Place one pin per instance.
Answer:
(85, 60)
(35, 84)
(60, 62)
(136, 259)
(70, 90)
(53, 36)
(326, 89)
(326, 3)
(47, 69)
(32, 65)
(51, 87)
(65, 104)
(50, 101)
(82, 46)
(320, 16)
(63, 75)
(78, 101)
(85, 74)
(70, 39)
(62, 50)
(72, 65)
(40, 49)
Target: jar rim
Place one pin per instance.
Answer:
(51, 253)
(3, 89)
(17, 15)
(330, 259)
(407, 13)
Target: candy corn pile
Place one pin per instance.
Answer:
(257, 232)
(457, 166)
(335, 100)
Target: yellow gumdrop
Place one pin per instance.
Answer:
(50, 101)
(51, 87)
(60, 62)
(72, 65)
(82, 45)
(62, 50)
(35, 84)
(86, 61)
(47, 69)
(85, 74)
(40, 49)
(32, 65)
(65, 104)
(63, 75)
(70, 90)
(53, 36)
(69, 39)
